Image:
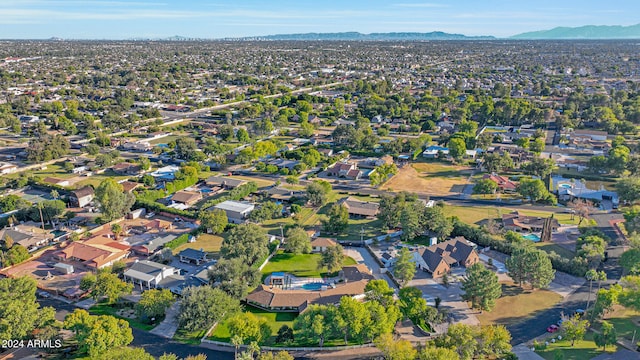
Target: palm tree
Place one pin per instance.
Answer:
(236, 340)
(591, 275)
(54, 194)
(116, 229)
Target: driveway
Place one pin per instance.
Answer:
(167, 328)
(451, 297)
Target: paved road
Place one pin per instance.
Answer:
(153, 344)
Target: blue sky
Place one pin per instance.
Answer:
(122, 19)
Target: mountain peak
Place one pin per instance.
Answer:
(587, 32)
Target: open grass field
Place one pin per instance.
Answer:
(208, 242)
(260, 182)
(303, 265)
(517, 304)
(429, 178)
(581, 350)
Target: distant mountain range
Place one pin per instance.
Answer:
(590, 32)
(356, 36)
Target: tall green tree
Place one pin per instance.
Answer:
(248, 242)
(606, 336)
(113, 201)
(96, 335)
(332, 258)
(317, 194)
(532, 266)
(481, 287)
(574, 329)
(404, 268)
(457, 148)
(298, 241)
(317, 323)
(106, 285)
(393, 349)
(203, 306)
(154, 303)
(214, 221)
(629, 189)
(20, 313)
(352, 318)
(338, 219)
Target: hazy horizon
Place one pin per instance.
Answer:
(104, 19)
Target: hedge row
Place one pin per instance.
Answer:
(157, 207)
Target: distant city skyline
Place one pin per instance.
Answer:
(106, 19)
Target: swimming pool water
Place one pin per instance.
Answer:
(313, 286)
(532, 237)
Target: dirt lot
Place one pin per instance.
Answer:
(430, 178)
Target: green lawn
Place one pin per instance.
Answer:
(582, 350)
(105, 309)
(274, 320)
(208, 242)
(517, 304)
(188, 337)
(304, 265)
(548, 247)
(622, 320)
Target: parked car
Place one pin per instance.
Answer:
(579, 312)
(560, 322)
(553, 328)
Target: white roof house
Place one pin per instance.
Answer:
(236, 211)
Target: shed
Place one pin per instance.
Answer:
(64, 268)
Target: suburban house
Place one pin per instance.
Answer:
(81, 197)
(586, 135)
(284, 163)
(518, 222)
(148, 274)
(224, 182)
(360, 209)
(129, 186)
(153, 246)
(56, 181)
(282, 194)
(193, 256)
(570, 189)
(166, 173)
(95, 253)
(136, 146)
(344, 170)
(6, 168)
(237, 212)
(438, 259)
(125, 168)
(280, 299)
(186, 197)
(434, 151)
(28, 237)
(504, 184)
(321, 244)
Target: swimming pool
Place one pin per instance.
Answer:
(313, 286)
(565, 186)
(532, 237)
